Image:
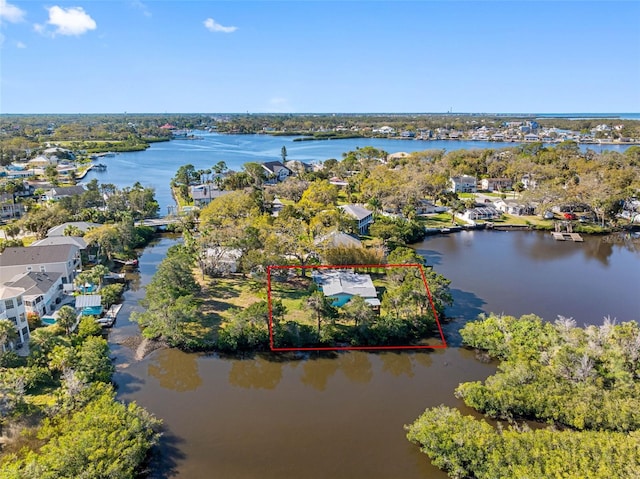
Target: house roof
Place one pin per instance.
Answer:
(274, 166)
(463, 178)
(338, 238)
(66, 191)
(15, 256)
(81, 225)
(206, 192)
(88, 300)
(7, 292)
(336, 282)
(356, 211)
(34, 283)
(56, 240)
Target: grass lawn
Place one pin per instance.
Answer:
(524, 220)
(439, 220)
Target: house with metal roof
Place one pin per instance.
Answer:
(340, 285)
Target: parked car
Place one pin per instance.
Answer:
(569, 216)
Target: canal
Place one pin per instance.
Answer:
(342, 415)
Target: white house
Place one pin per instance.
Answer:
(463, 184)
(361, 214)
(12, 308)
(341, 285)
(42, 291)
(9, 208)
(513, 207)
(58, 193)
(276, 170)
(64, 259)
(493, 184)
(481, 213)
(426, 207)
(204, 194)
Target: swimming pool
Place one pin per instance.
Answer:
(48, 320)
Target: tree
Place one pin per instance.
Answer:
(8, 333)
(66, 318)
(283, 154)
(358, 311)
(321, 306)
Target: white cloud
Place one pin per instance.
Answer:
(142, 7)
(68, 21)
(213, 26)
(10, 13)
(20, 45)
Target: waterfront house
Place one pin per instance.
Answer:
(57, 193)
(463, 184)
(361, 214)
(481, 213)
(531, 137)
(41, 291)
(496, 184)
(64, 259)
(276, 171)
(426, 207)
(340, 285)
(204, 194)
(12, 308)
(514, 207)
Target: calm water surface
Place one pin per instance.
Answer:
(156, 166)
(341, 416)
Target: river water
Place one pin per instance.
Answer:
(156, 166)
(341, 416)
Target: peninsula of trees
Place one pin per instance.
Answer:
(584, 383)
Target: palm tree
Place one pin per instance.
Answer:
(8, 333)
(66, 318)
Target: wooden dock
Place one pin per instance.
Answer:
(558, 236)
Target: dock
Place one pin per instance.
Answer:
(110, 317)
(558, 236)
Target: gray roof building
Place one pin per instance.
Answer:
(34, 283)
(83, 226)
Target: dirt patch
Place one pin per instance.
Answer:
(141, 346)
(146, 346)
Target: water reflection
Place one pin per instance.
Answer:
(398, 364)
(175, 370)
(255, 373)
(356, 366)
(316, 372)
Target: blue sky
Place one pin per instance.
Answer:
(319, 56)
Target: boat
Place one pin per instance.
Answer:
(109, 319)
(100, 166)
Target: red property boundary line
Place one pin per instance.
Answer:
(353, 348)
